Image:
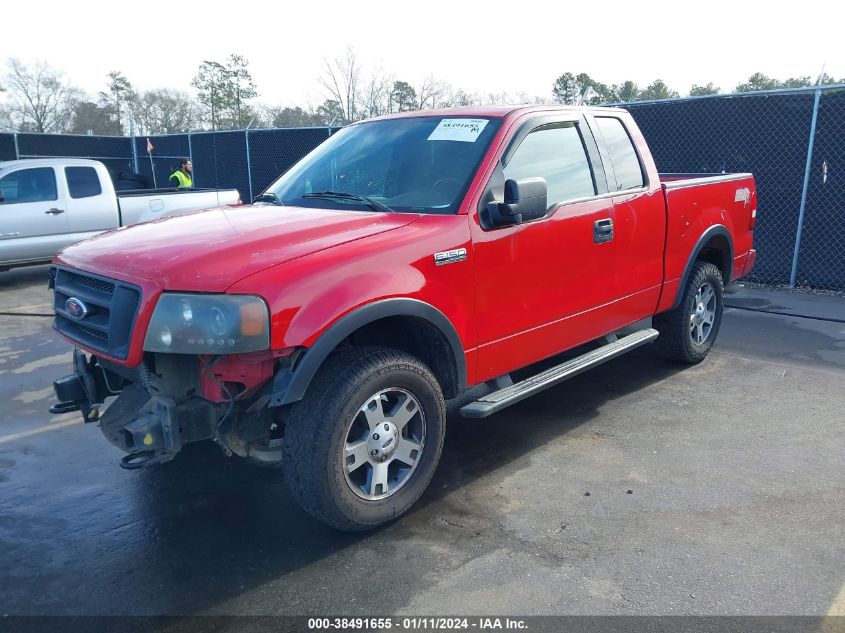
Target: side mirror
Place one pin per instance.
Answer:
(529, 197)
(525, 200)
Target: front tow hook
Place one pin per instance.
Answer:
(84, 390)
(136, 461)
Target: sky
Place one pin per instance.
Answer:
(484, 47)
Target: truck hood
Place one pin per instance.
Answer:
(210, 250)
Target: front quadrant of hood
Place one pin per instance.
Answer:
(210, 250)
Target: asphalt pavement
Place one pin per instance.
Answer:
(641, 487)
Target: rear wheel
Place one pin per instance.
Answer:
(688, 332)
(363, 444)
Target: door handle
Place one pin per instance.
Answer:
(54, 211)
(602, 230)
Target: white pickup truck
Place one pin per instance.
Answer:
(49, 203)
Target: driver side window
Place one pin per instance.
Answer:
(29, 185)
(554, 152)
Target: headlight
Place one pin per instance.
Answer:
(208, 324)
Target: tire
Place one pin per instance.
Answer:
(358, 395)
(685, 334)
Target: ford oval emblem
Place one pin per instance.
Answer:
(76, 309)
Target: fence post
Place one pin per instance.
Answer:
(191, 158)
(17, 152)
(134, 146)
(794, 274)
(248, 164)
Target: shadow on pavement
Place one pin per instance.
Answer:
(216, 528)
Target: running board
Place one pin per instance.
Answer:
(498, 400)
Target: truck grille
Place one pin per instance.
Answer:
(111, 307)
(96, 284)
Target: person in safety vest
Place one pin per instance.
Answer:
(181, 178)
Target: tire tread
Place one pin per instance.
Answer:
(674, 342)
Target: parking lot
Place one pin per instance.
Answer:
(638, 488)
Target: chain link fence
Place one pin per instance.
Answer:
(793, 141)
(821, 256)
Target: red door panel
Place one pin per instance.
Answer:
(535, 273)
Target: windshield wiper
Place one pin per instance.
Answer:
(272, 198)
(342, 195)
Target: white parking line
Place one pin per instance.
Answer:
(835, 614)
(28, 397)
(58, 359)
(41, 429)
(37, 306)
(838, 606)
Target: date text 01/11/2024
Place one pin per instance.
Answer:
(416, 624)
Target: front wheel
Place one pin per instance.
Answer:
(688, 332)
(363, 444)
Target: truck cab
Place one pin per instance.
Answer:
(49, 203)
(44, 206)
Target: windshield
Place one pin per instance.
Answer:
(420, 165)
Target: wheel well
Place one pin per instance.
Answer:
(717, 251)
(415, 336)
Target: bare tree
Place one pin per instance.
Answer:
(7, 123)
(341, 79)
(41, 101)
(433, 93)
(463, 98)
(526, 98)
(165, 112)
(377, 96)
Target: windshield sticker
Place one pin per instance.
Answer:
(465, 130)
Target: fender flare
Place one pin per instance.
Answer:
(290, 384)
(727, 269)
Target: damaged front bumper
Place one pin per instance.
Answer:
(85, 389)
(149, 426)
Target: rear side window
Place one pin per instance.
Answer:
(83, 182)
(626, 164)
(556, 153)
(29, 185)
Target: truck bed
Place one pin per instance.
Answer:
(129, 193)
(141, 205)
(677, 180)
(695, 202)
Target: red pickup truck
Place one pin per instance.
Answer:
(403, 261)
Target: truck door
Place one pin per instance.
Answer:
(640, 226)
(33, 218)
(89, 209)
(541, 286)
